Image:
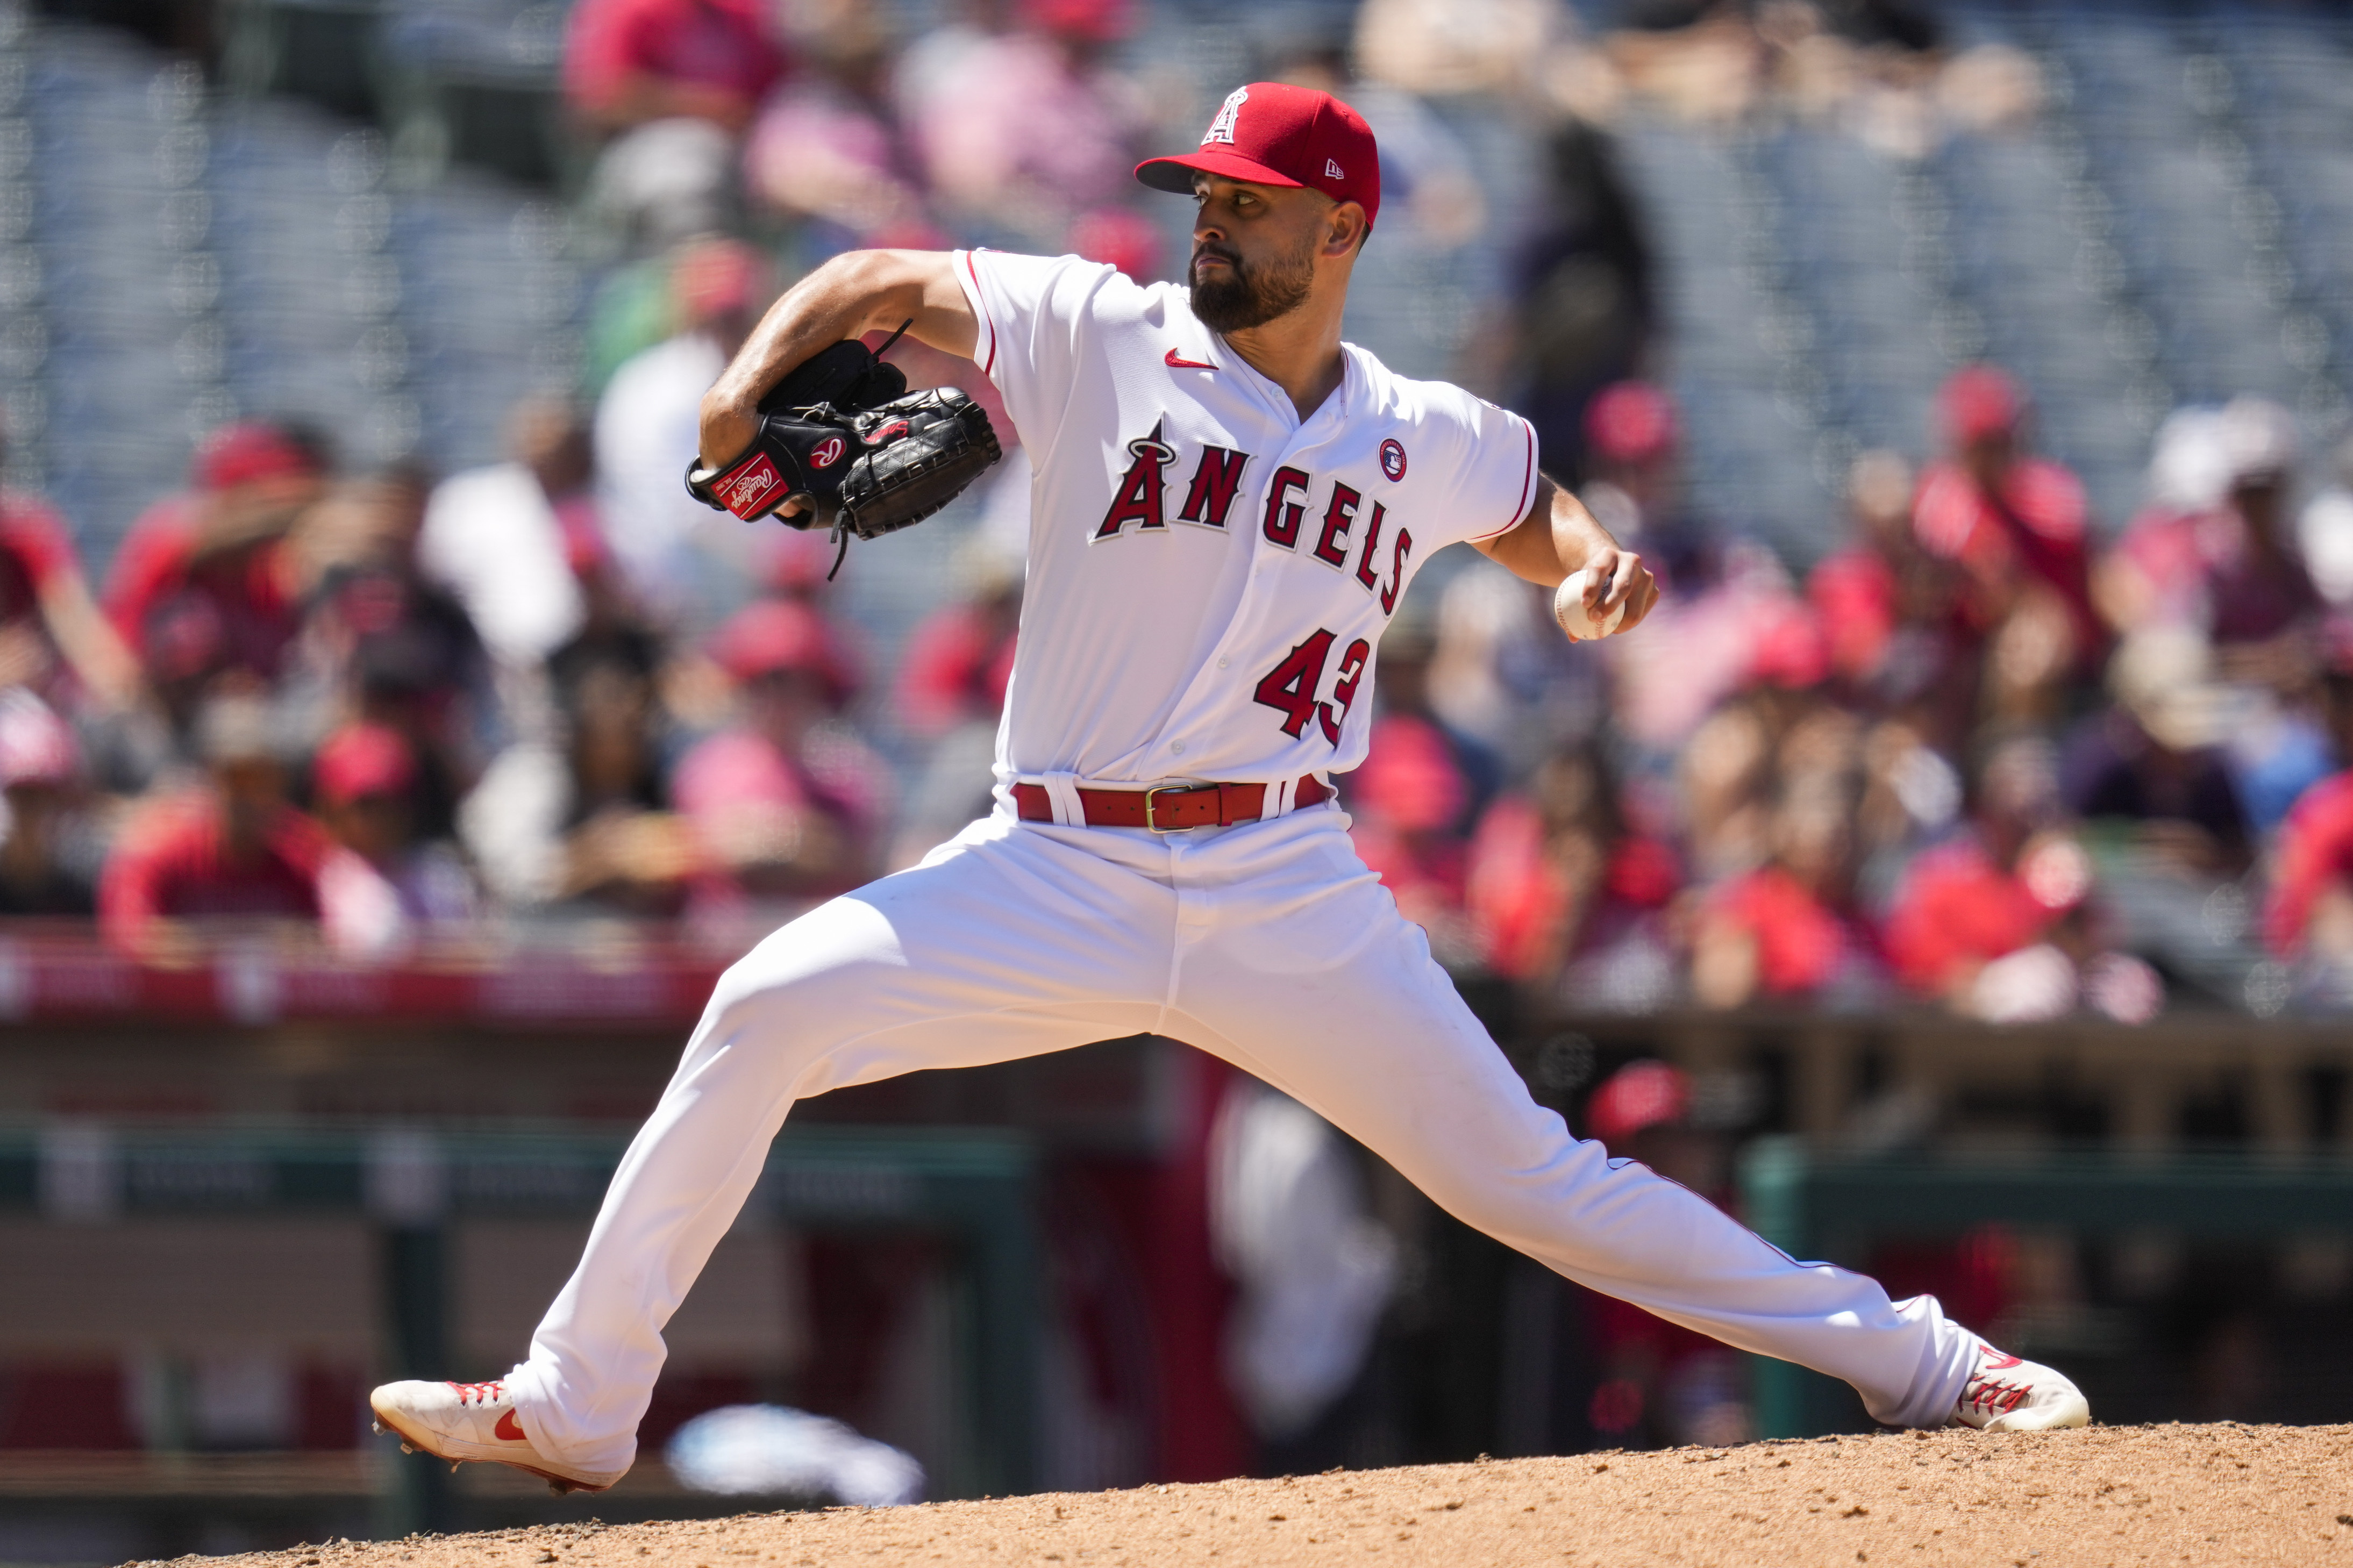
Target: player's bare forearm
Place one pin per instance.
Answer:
(855, 293)
(1558, 537)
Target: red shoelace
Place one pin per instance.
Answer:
(1995, 1395)
(484, 1393)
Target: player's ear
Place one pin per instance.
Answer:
(1344, 228)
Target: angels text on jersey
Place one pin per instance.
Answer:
(1349, 534)
(1209, 569)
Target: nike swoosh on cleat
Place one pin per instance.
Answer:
(1996, 1361)
(509, 1429)
(1174, 361)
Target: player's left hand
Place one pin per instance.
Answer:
(1620, 579)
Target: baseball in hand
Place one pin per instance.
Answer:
(1569, 609)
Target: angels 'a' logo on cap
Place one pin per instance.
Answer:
(1222, 129)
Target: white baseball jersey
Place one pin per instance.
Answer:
(1209, 577)
(1208, 572)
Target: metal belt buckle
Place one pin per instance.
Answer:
(1149, 820)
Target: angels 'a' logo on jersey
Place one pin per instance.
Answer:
(1142, 496)
(1222, 129)
(1139, 496)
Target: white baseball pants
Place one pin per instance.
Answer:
(1268, 944)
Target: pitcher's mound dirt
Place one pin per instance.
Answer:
(2120, 1495)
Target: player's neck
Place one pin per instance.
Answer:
(1298, 351)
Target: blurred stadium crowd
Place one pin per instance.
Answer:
(1991, 751)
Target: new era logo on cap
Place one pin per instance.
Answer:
(1288, 136)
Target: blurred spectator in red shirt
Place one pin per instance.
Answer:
(1857, 588)
(382, 644)
(827, 146)
(1726, 769)
(951, 691)
(1027, 128)
(2310, 907)
(960, 658)
(786, 803)
(1407, 800)
(2311, 904)
(236, 850)
(1993, 895)
(365, 780)
(50, 625)
(203, 585)
(1889, 609)
(630, 61)
(1121, 237)
(1746, 627)
(1418, 794)
(49, 859)
(2016, 526)
(1568, 902)
(1785, 932)
(673, 83)
(1408, 649)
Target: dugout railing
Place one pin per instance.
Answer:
(1834, 1208)
(976, 1186)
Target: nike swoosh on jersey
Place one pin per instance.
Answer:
(1175, 361)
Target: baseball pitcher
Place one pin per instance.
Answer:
(1229, 503)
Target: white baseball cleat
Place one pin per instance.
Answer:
(2007, 1395)
(463, 1421)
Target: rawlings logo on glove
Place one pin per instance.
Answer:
(742, 489)
(913, 453)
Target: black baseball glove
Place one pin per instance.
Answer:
(842, 433)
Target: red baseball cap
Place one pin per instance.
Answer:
(1272, 133)
(363, 760)
(247, 453)
(1638, 1095)
(772, 635)
(1980, 401)
(713, 278)
(1631, 422)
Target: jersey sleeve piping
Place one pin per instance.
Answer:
(985, 349)
(1527, 487)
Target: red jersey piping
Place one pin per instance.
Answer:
(989, 366)
(1528, 488)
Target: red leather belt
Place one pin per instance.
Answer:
(1172, 808)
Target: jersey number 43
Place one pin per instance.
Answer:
(1290, 688)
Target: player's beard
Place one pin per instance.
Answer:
(1246, 296)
